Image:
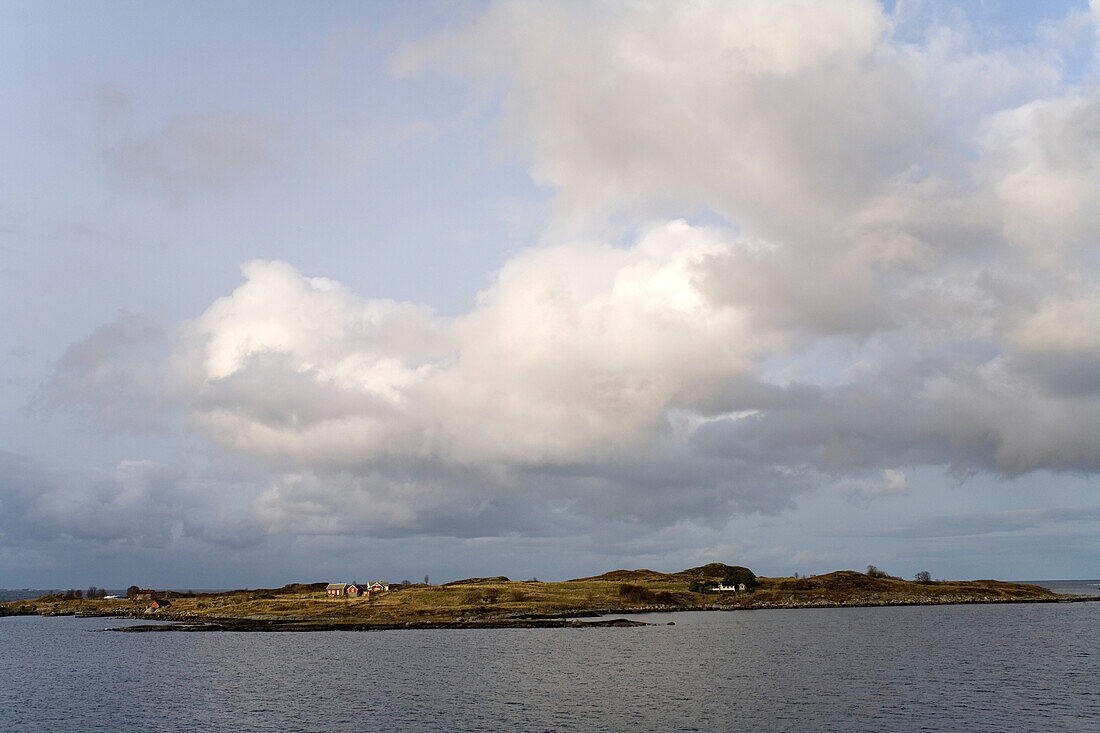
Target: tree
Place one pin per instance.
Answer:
(426, 580)
(132, 591)
(699, 585)
(923, 577)
(874, 572)
(737, 576)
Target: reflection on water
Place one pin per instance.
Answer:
(996, 667)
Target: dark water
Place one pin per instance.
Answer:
(1072, 587)
(1020, 667)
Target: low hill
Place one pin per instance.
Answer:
(479, 581)
(625, 576)
(710, 571)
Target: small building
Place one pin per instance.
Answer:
(336, 589)
(352, 590)
(159, 604)
(143, 594)
(376, 586)
(731, 588)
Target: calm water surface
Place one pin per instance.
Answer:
(986, 668)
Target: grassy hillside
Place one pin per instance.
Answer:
(486, 600)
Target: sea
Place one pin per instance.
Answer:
(1004, 667)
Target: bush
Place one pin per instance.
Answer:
(633, 593)
(873, 572)
(923, 577)
(638, 594)
(481, 595)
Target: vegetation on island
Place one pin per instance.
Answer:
(498, 601)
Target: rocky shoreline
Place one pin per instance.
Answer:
(285, 626)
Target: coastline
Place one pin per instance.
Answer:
(500, 603)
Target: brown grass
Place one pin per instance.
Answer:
(489, 598)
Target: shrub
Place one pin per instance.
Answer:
(698, 585)
(638, 594)
(633, 593)
(481, 595)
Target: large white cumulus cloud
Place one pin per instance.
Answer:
(906, 276)
(575, 351)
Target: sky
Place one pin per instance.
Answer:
(304, 291)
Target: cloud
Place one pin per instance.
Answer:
(756, 95)
(136, 502)
(888, 483)
(1045, 164)
(779, 116)
(118, 376)
(555, 363)
(128, 503)
(904, 277)
(984, 523)
(1061, 325)
(195, 152)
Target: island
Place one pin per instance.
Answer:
(498, 602)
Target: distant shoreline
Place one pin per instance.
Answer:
(500, 603)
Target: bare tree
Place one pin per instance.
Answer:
(426, 580)
(923, 577)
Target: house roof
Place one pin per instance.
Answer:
(336, 586)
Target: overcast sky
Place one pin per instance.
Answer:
(339, 291)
